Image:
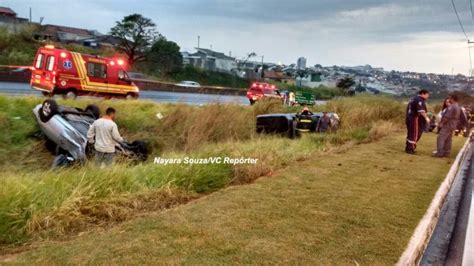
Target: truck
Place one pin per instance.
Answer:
(57, 71)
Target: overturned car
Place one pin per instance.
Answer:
(293, 125)
(65, 129)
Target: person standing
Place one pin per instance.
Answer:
(104, 134)
(449, 122)
(416, 119)
(324, 123)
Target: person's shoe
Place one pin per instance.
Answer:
(410, 152)
(436, 154)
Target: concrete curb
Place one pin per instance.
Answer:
(420, 238)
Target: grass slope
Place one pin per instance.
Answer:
(358, 205)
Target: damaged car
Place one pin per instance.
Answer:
(65, 129)
(293, 125)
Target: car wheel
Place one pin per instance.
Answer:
(48, 110)
(130, 96)
(70, 95)
(94, 110)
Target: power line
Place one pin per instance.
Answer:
(472, 11)
(470, 59)
(459, 19)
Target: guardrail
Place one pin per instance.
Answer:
(423, 232)
(154, 85)
(143, 84)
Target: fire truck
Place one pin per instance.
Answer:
(59, 71)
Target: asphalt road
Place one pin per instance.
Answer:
(17, 89)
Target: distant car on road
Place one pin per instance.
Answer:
(188, 84)
(260, 90)
(137, 75)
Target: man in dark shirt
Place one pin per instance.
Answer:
(416, 119)
(449, 123)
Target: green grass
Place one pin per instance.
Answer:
(38, 203)
(343, 206)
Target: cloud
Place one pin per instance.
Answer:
(388, 33)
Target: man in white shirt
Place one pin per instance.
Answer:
(104, 134)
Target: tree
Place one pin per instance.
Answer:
(165, 56)
(345, 84)
(136, 34)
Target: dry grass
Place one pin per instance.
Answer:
(359, 206)
(41, 202)
(382, 129)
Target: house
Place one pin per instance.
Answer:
(210, 60)
(314, 80)
(64, 34)
(102, 41)
(279, 76)
(9, 19)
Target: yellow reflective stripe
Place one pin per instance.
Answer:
(90, 85)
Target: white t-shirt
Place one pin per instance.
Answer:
(104, 134)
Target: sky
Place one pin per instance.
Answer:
(406, 35)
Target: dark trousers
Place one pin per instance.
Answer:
(415, 127)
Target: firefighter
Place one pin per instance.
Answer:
(416, 120)
(306, 111)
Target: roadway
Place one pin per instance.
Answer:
(21, 89)
(452, 241)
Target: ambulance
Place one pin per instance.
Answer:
(61, 72)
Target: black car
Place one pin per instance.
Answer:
(292, 125)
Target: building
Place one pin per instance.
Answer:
(102, 41)
(9, 19)
(210, 60)
(64, 34)
(278, 76)
(301, 63)
(314, 80)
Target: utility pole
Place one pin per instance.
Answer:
(30, 15)
(199, 40)
(210, 45)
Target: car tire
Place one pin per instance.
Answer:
(130, 96)
(71, 94)
(93, 110)
(48, 109)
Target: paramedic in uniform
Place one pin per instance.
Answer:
(416, 120)
(104, 134)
